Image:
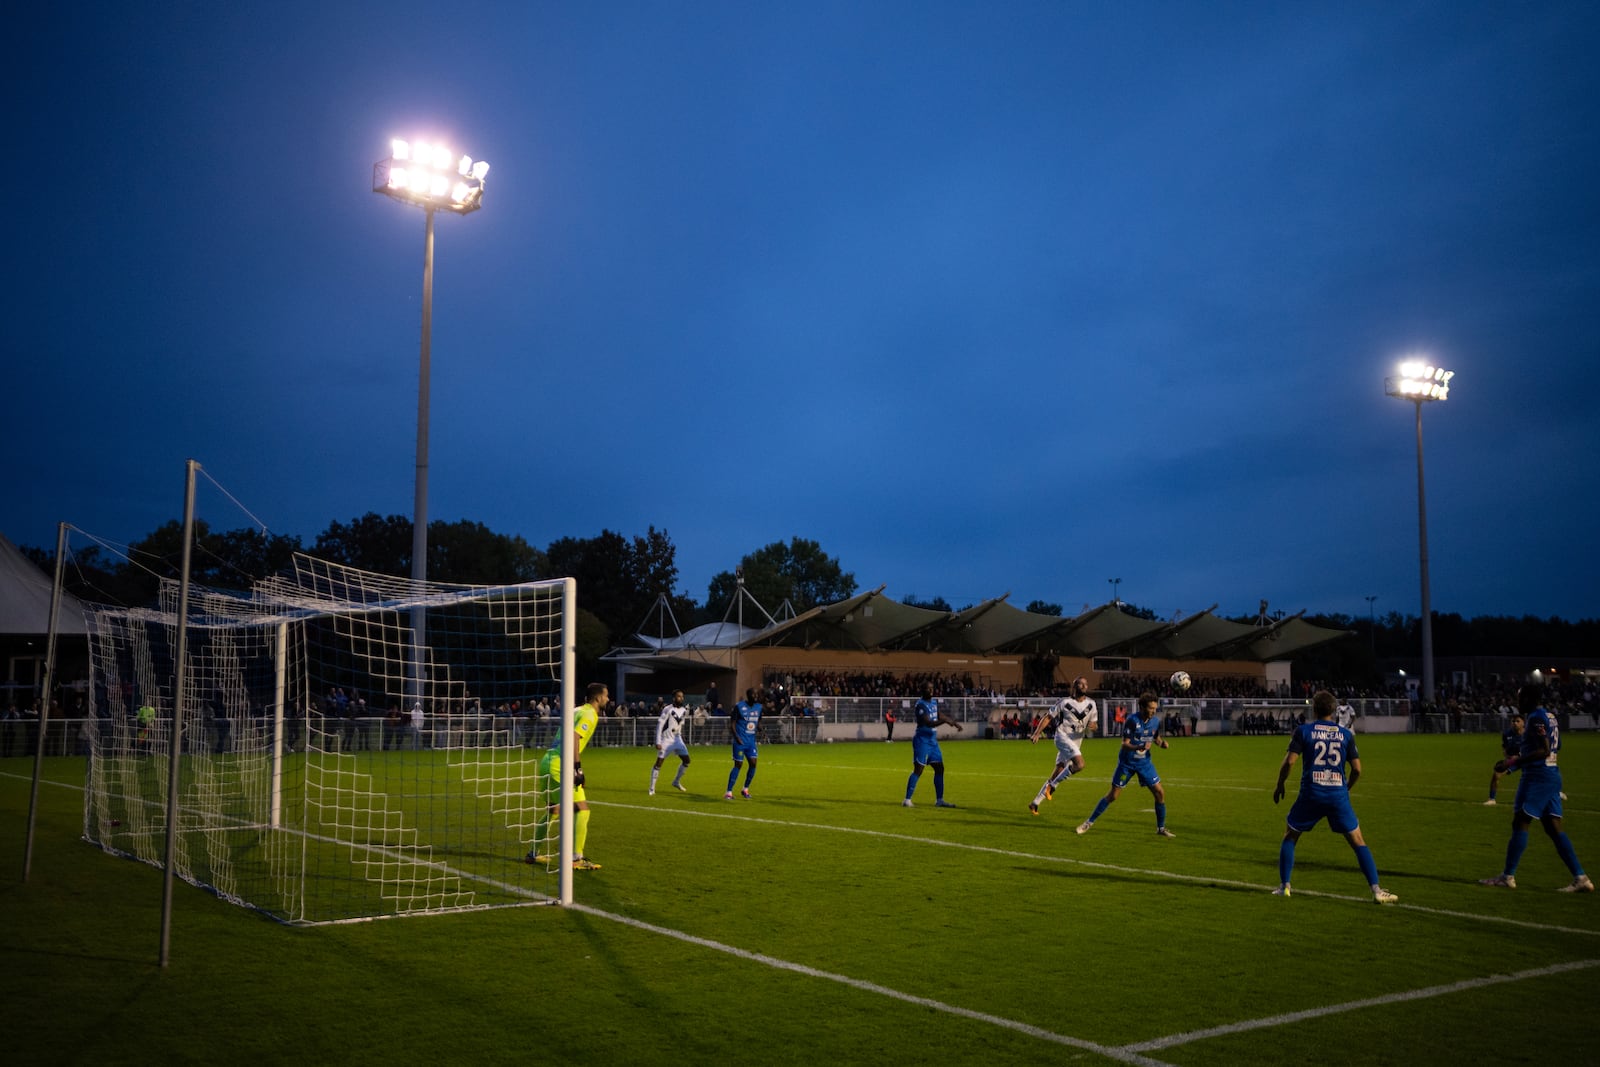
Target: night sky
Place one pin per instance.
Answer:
(982, 297)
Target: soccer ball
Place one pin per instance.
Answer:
(1180, 681)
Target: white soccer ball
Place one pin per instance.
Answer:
(1181, 681)
(830, 740)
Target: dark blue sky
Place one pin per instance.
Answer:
(983, 297)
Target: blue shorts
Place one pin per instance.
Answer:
(743, 750)
(1539, 795)
(925, 750)
(1126, 771)
(1309, 810)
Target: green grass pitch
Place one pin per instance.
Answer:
(822, 922)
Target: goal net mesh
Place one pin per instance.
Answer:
(353, 745)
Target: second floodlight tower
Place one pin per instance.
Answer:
(1422, 383)
(428, 175)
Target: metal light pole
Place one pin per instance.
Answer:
(1372, 626)
(1114, 583)
(429, 176)
(1422, 383)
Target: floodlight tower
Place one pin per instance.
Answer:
(1422, 383)
(430, 176)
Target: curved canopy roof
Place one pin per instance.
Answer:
(872, 622)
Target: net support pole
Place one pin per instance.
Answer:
(279, 691)
(44, 699)
(569, 701)
(175, 735)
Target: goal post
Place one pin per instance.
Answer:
(332, 767)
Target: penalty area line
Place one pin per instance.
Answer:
(1099, 865)
(1356, 1005)
(1122, 1055)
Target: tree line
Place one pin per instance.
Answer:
(621, 579)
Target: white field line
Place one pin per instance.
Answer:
(1122, 1055)
(1198, 879)
(1356, 1005)
(1225, 785)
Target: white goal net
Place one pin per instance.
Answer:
(353, 745)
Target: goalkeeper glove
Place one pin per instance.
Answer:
(577, 775)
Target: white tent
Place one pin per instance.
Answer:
(25, 597)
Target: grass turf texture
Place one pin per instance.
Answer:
(1112, 939)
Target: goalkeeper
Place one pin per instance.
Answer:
(1072, 718)
(584, 719)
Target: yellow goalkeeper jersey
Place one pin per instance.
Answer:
(584, 719)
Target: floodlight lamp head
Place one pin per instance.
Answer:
(429, 175)
(1420, 381)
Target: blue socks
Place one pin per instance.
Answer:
(1369, 866)
(911, 786)
(1161, 815)
(1286, 859)
(1100, 808)
(1516, 847)
(938, 785)
(733, 776)
(1568, 854)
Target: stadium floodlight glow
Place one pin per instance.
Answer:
(1420, 382)
(431, 176)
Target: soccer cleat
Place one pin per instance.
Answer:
(1033, 808)
(1563, 796)
(1049, 791)
(652, 792)
(1490, 802)
(1381, 895)
(680, 788)
(1580, 884)
(1083, 827)
(745, 793)
(942, 803)
(1162, 831)
(906, 803)
(581, 864)
(537, 859)
(1500, 881)
(1282, 891)
(728, 795)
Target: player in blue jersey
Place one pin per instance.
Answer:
(1510, 746)
(925, 748)
(1538, 794)
(1324, 791)
(1140, 732)
(742, 727)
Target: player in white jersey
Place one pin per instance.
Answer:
(1345, 715)
(1073, 718)
(669, 741)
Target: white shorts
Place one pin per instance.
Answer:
(675, 747)
(1066, 750)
